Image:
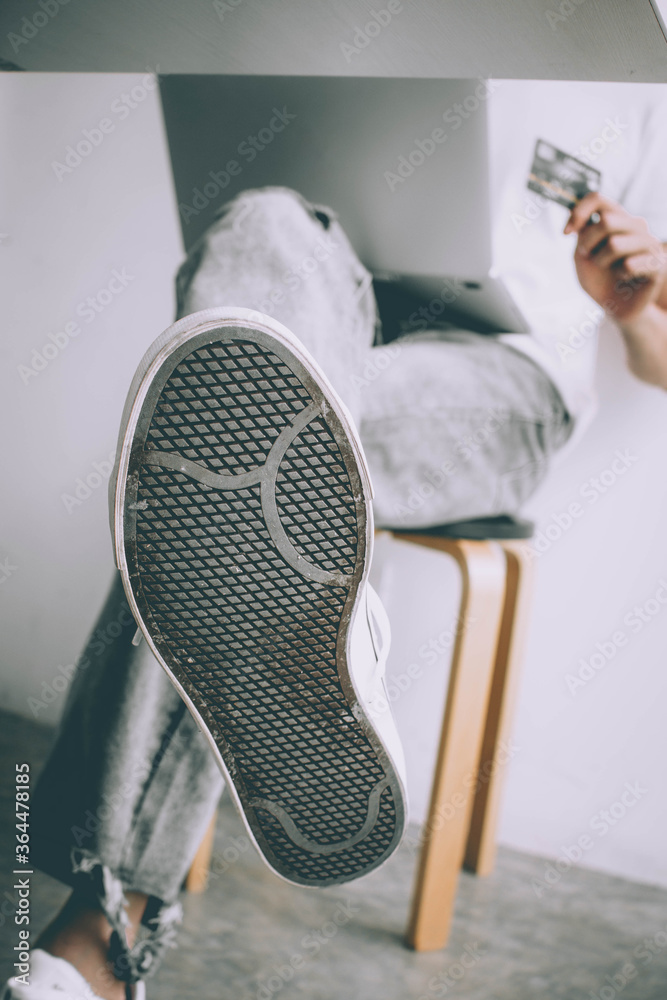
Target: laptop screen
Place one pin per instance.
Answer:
(402, 162)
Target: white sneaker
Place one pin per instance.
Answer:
(52, 978)
(243, 530)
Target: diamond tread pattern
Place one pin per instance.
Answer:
(256, 639)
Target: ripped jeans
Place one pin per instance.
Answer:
(454, 425)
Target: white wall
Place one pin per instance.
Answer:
(61, 241)
(64, 238)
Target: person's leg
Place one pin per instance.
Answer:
(417, 415)
(456, 425)
(121, 805)
(130, 785)
(271, 251)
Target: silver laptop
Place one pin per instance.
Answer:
(403, 162)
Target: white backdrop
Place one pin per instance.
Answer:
(61, 240)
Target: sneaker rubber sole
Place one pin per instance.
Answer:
(243, 531)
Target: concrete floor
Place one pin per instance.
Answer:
(252, 937)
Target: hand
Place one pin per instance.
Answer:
(618, 261)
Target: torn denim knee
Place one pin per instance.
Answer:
(157, 930)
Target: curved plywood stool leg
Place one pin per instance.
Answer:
(197, 878)
(497, 748)
(482, 567)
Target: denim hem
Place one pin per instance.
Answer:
(158, 923)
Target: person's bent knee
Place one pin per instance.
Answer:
(270, 201)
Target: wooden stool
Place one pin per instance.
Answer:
(465, 797)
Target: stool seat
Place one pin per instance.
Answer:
(501, 527)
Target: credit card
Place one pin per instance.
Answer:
(560, 177)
